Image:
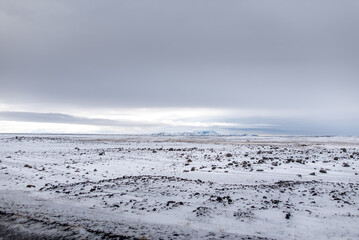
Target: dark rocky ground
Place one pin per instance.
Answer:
(87, 187)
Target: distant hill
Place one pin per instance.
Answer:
(195, 133)
(201, 133)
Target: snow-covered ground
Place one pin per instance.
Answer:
(179, 187)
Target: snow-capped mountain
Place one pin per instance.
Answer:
(194, 133)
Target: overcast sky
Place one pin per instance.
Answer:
(234, 66)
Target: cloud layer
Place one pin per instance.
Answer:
(287, 56)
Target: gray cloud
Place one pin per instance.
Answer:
(255, 124)
(143, 123)
(241, 54)
(68, 119)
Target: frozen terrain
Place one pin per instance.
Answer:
(178, 187)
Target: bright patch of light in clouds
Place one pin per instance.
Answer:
(37, 118)
(126, 120)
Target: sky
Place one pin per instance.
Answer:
(137, 67)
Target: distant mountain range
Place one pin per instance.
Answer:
(195, 133)
(198, 133)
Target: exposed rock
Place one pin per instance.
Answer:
(27, 166)
(101, 153)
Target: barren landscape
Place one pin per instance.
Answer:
(178, 187)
